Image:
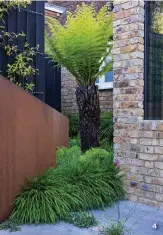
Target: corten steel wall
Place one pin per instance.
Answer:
(30, 132)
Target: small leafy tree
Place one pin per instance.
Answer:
(21, 67)
(82, 45)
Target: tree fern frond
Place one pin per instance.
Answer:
(80, 44)
(105, 69)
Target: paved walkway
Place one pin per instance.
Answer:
(141, 219)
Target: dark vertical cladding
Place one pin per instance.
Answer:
(30, 132)
(53, 84)
(40, 61)
(31, 22)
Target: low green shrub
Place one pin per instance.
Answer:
(106, 126)
(105, 144)
(97, 155)
(82, 219)
(75, 141)
(73, 124)
(83, 182)
(64, 154)
(9, 225)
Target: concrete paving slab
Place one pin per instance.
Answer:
(141, 219)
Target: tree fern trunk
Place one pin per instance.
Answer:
(89, 114)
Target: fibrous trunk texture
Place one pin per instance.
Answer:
(89, 114)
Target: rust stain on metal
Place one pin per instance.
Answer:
(30, 132)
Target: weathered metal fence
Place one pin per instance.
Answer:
(31, 21)
(30, 133)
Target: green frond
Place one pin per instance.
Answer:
(80, 44)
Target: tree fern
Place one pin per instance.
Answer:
(81, 44)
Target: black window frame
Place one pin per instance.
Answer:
(154, 106)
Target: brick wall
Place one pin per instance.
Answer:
(69, 99)
(138, 143)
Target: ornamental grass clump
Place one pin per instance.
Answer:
(115, 229)
(78, 183)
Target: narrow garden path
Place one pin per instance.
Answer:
(141, 217)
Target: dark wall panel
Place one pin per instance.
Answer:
(31, 22)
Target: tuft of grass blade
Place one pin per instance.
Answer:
(78, 183)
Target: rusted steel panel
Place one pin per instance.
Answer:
(30, 132)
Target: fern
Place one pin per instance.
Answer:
(75, 141)
(105, 144)
(81, 45)
(73, 124)
(106, 126)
